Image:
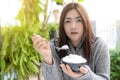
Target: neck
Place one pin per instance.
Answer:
(75, 43)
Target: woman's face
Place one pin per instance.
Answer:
(73, 26)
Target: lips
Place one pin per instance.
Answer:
(74, 33)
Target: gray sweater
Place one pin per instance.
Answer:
(99, 67)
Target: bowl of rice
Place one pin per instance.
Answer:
(74, 61)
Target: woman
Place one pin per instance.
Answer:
(74, 31)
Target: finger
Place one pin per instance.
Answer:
(38, 40)
(45, 46)
(40, 44)
(69, 69)
(83, 70)
(64, 68)
(34, 37)
(73, 74)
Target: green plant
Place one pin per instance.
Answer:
(118, 43)
(115, 64)
(61, 2)
(18, 53)
(52, 26)
(53, 30)
(29, 13)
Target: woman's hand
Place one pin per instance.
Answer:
(42, 46)
(69, 72)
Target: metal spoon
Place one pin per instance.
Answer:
(64, 47)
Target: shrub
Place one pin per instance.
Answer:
(115, 64)
(18, 53)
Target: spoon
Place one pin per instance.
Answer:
(64, 47)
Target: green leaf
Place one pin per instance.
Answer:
(80, 0)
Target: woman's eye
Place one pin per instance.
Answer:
(79, 20)
(67, 21)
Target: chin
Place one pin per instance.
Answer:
(76, 39)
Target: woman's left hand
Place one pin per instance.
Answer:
(66, 69)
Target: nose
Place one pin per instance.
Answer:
(73, 25)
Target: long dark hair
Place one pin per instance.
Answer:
(88, 35)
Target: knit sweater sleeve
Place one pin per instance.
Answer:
(102, 63)
(52, 72)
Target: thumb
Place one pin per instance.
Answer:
(83, 70)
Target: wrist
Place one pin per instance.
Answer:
(48, 60)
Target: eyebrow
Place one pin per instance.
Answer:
(78, 17)
(75, 18)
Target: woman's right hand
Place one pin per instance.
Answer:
(42, 46)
